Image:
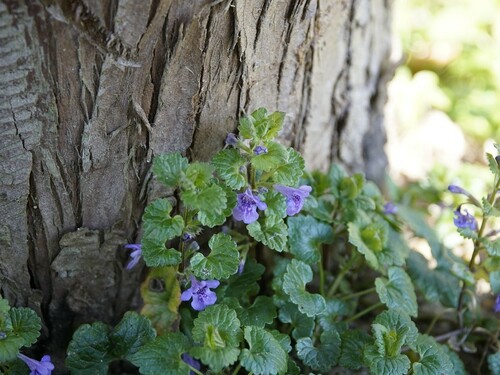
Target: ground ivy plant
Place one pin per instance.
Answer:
(257, 267)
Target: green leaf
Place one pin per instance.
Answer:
(246, 127)
(458, 366)
(353, 343)
(25, 324)
(9, 347)
(303, 325)
(213, 218)
(244, 285)
(492, 163)
(462, 272)
(217, 330)
(495, 281)
(492, 247)
(382, 365)
(297, 275)
(155, 253)
(290, 172)
(222, 261)
(228, 164)
(275, 156)
(335, 308)
(433, 359)
(276, 204)
(370, 241)
(169, 168)
(322, 358)
(392, 329)
(265, 355)
(162, 356)
(158, 225)
(130, 334)
(260, 313)
(494, 363)
(306, 234)
(199, 174)
(161, 294)
(271, 231)
(88, 350)
(209, 199)
(488, 209)
(397, 291)
(437, 285)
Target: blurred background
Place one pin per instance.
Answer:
(443, 112)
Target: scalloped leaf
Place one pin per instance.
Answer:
(158, 224)
(303, 325)
(392, 329)
(260, 313)
(290, 172)
(217, 330)
(265, 355)
(169, 168)
(306, 235)
(297, 275)
(492, 163)
(161, 294)
(494, 363)
(211, 198)
(25, 324)
(163, 355)
(433, 359)
(199, 174)
(397, 291)
(325, 356)
(276, 204)
(228, 164)
(130, 334)
(382, 365)
(271, 231)
(9, 347)
(244, 285)
(353, 343)
(155, 253)
(275, 156)
(88, 351)
(221, 263)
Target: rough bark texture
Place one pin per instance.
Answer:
(91, 90)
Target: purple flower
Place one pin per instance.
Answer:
(241, 266)
(390, 208)
(497, 304)
(246, 207)
(294, 197)
(187, 237)
(200, 293)
(135, 255)
(464, 220)
(191, 362)
(42, 367)
(259, 150)
(455, 189)
(231, 140)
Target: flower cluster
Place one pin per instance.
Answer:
(248, 203)
(135, 255)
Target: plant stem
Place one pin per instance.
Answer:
(343, 271)
(237, 369)
(321, 275)
(358, 294)
(195, 370)
(477, 247)
(364, 312)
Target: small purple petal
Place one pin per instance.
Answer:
(497, 304)
(212, 284)
(191, 362)
(295, 198)
(231, 140)
(187, 237)
(464, 220)
(241, 266)
(246, 207)
(455, 189)
(390, 208)
(42, 367)
(259, 150)
(135, 255)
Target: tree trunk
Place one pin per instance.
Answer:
(91, 90)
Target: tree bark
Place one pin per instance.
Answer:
(91, 90)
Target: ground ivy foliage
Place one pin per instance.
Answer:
(258, 267)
